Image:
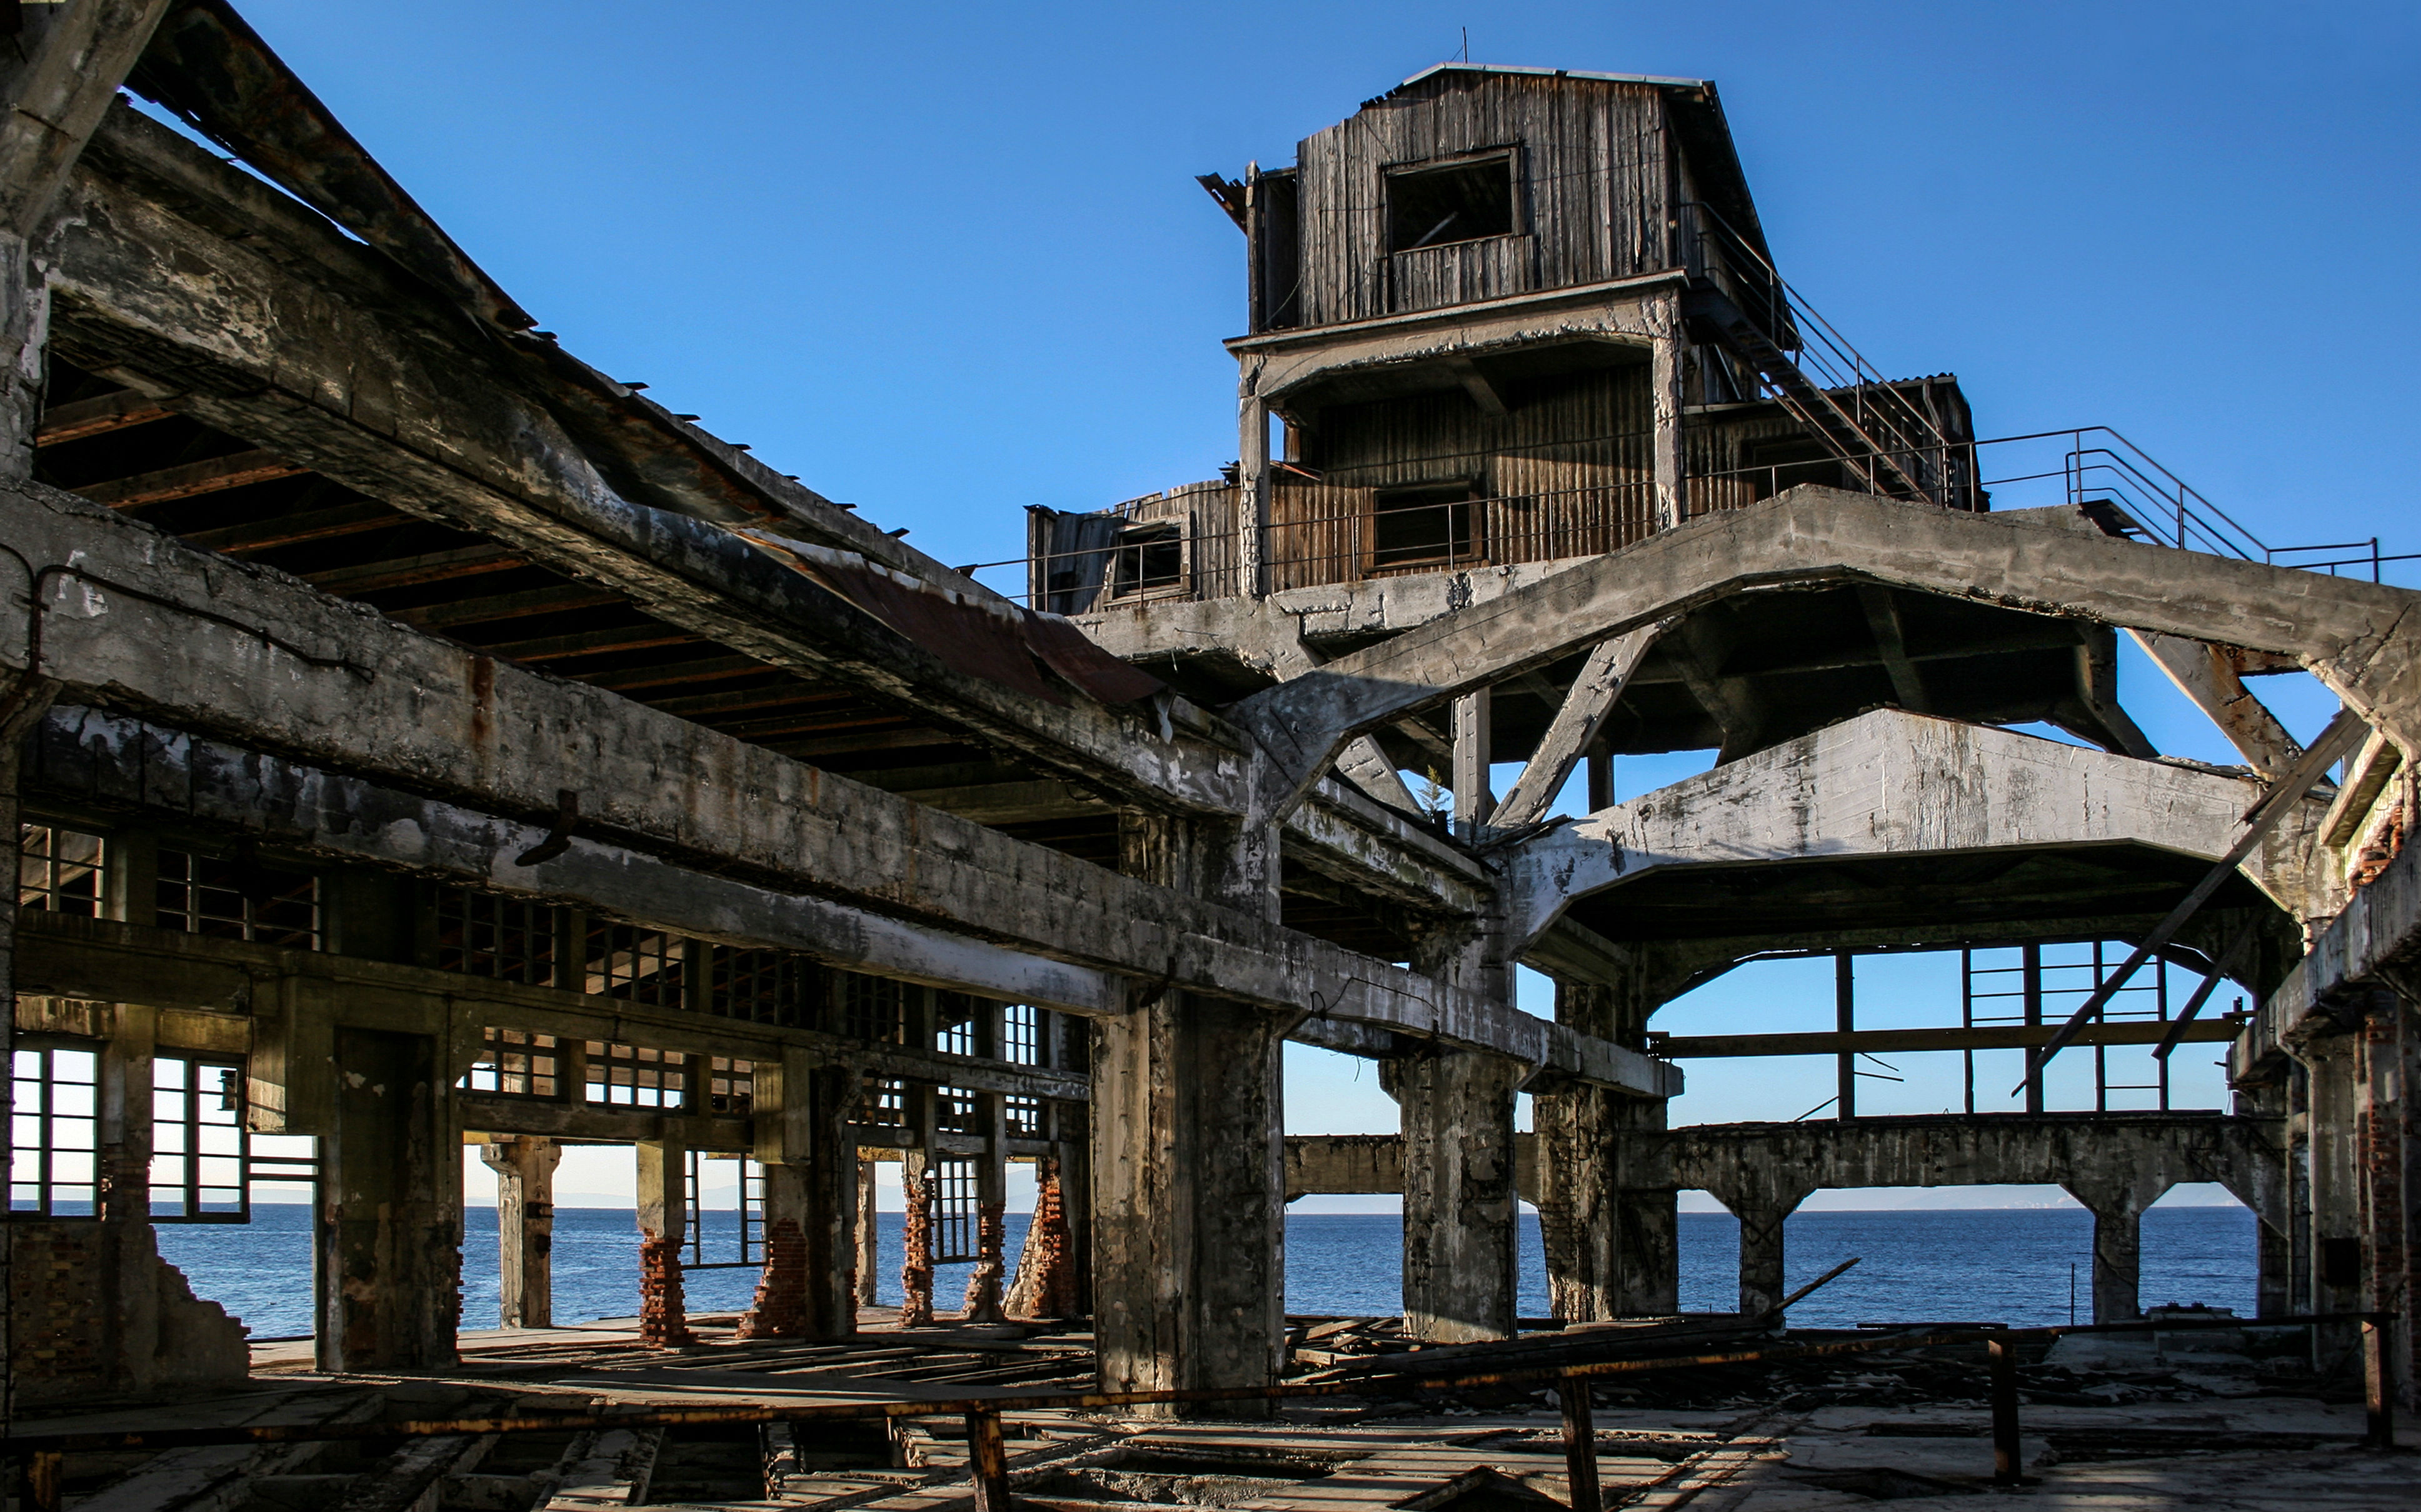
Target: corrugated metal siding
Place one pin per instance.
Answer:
(1592, 162)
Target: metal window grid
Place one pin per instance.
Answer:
(953, 1212)
(234, 899)
(60, 871)
(1021, 1034)
(746, 1233)
(515, 1062)
(1025, 1116)
(53, 1150)
(730, 1086)
(491, 934)
(201, 1149)
(2051, 980)
(634, 1076)
(885, 1102)
(955, 1110)
(955, 1016)
(873, 1007)
(637, 965)
(773, 987)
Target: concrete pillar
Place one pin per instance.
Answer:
(1472, 800)
(1762, 1216)
(1612, 1240)
(2118, 1208)
(390, 1207)
(1460, 1261)
(2275, 1264)
(1668, 367)
(2337, 1193)
(524, 1166)
(2387, 1058)
(1252, 491)
(868, 1237)
(809, 1165)
(664, 1219)
(1187, 1148)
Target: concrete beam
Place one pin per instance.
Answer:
(2213, 1031)
(2359, 638)
(1582, 712)
(2209, 674)
(1887, 782)
(219, 648)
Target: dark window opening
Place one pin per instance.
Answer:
(1148, 557)
(237, 899)
(1433, 523)
(1462, 202)
(60, 871)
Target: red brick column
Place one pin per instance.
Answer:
(1046, 1271)
(916, 1271)
(780, 1309)
(663, 1312)
(983, 1287)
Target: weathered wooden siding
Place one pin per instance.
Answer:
(1591, 162)
(1565, 473)
(1207, 513)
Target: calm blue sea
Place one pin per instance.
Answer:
(2012, 1265)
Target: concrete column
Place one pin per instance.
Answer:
(2300, 1262)
(2117, 1209)
(1762, 1285)
(2387, 1057)
(809, 1163)
(663, 1218)
(1472, 801)
(390, 1207)
(524, 1166)
(1612, 1240)
(2274, 1262)
(1460, 1265)
(868, 1249)
(2336, 1192)
(1667, 369)
(1252, 491)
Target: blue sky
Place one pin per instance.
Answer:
(943, 262)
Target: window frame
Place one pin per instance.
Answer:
(1392, 174)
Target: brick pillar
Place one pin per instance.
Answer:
(664, 1217)
(390, 1209)
(2387, 1058)
(1046, 1267)
(916, 1242)
(984, 1286)
(780, 1309)
(809, 1288)
(524, 1166)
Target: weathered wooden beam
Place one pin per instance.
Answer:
(1578, 719)
(412, 571)
(82, 419)
(296, 529)
(552, 600)
(191, 479)
(647, 637)
(417, 412)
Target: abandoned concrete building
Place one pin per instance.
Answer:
(418, 738)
